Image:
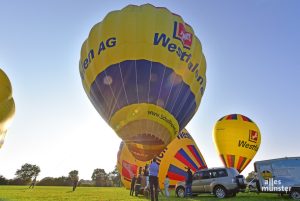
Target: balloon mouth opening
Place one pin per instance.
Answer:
(146, 139)
(145, 147)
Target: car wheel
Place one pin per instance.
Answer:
(180, 192)
(220, 192)
(295, 195)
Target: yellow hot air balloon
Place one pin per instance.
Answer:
(143, 69)
(7, 105)
(237, 138)
(182, 152)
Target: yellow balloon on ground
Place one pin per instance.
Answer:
(143, 69)
(182, 152)
(7, 105)
(237, 139)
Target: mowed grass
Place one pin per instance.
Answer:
(43, 193)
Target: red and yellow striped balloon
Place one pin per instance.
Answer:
(237, 139)
(181, 153)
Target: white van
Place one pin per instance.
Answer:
(280, 175)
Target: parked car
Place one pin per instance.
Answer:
(222, 182)
(281, 175)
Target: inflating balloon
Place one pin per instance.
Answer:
(237, 138)
(7, 105)
(181, 153)
(144, 71)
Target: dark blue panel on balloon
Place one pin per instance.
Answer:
(143, 78)
(156, 78)
(142, 81)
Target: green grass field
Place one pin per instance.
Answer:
(41, 193)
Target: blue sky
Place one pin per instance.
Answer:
(253, 58)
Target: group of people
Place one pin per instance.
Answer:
(151, 175)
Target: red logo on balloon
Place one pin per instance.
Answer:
(253, 136)
(181, 34)
(128, 170)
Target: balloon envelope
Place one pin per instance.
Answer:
(7, 105)
(144, 71)
(5, 87)
(237, 139)
(182, 152)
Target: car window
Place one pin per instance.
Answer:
(196, 176)
(233, 171)
(213, 174)
(204, 175)
(222, 173)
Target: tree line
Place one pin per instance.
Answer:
(28, 173)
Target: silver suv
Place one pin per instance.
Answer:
(222, 182)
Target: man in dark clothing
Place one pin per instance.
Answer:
(146, 174)
(33, 183)
(132, 185)
(138, 184)
(75, 182)
(153, 180)
(188, 183)
(140, 170)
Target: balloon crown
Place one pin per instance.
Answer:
(236, 117)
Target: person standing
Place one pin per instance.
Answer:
(146, 174)
(138, 184)
(188, 182)
(153, 180)
(132, 185)
(33, 182)
(166, 185)
(75, 182)
(73, 177)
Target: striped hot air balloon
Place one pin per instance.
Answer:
(143, 69)
(237, 139)
(181, 153)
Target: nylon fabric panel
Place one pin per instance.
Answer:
(130, 84)
(144, 62)
(238, 139)
(168, 163)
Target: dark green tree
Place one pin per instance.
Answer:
(3, 180)
(116, 177)
(251, 176)
(27, 172)
(100, 177)
(55, 181)
(73, 176)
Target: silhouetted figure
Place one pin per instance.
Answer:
(166, 185)
(188, 183)
(75, 183)
(153, 180)
(33, 183)
(138, 184)
(146, 174)
(140, 170)
(133, 180)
